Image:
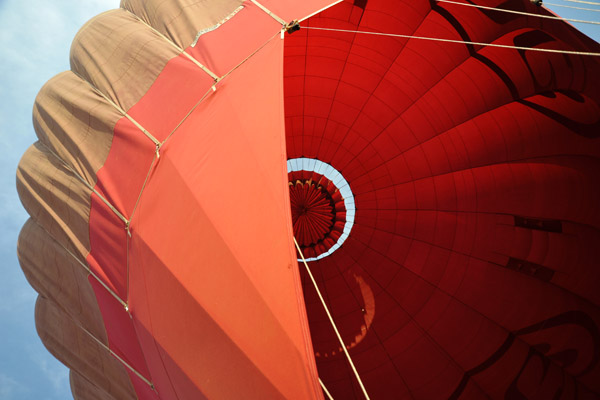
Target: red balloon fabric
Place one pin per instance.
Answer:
(318, 212)
(470, 268)
(456, 244)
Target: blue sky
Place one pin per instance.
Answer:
(35, 37)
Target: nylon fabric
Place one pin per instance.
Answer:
(219, 58)
(263, 288)
(84, 389)
(101, 54)
(442, 286)
(74, 124)
(171, 376)
(46, 202)
(290, 10)
(76, 348)
(470, 271)
(181, 27)
(74, 127)
(53, 273)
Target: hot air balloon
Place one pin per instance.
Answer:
(436, 161)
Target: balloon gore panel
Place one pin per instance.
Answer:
(162, 213)
(467, 164)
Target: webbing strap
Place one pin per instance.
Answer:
(270, 13)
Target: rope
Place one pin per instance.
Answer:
(270, 13)
(503, 46)
(87, 184)
(120, 110)
(213, 88)
(113, 209)
(325, 390)
(179, 49)
(332, 322)
(519, 12)
(96, 277)
(594, 3)
(85, 267)
(154, 160)
(115, 355)
(321, 10)
(79, 325)
(576, 8)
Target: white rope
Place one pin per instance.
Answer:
(332, 322)
(503, 46)
(594, 3)
(87, 184)
(325, 390)
(270, 13)
(573, 7)
(115, 355)
(211, 90)
(519, 12)
(78, 324)
(85, 267)
(121, 111)
(113, 209)
(96, 277)
(321, 10)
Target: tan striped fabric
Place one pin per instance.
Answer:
(84, 389)
(72, 345)
(115, 58)
(181, 20)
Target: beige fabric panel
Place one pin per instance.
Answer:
(75, 123)
(56, 275)
(79, 351)
(82, 389)
(55, 198)
(120, 55)
(59, 205)
(181, 20)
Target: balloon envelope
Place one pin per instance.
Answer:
(161, 232)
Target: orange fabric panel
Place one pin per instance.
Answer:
(290, 10)
(212, 282)
(224, 48)
(474, 171)
(169, 100)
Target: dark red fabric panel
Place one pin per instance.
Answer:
(108, 232)
(470, 270)
(448, 148)
(136, 152)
